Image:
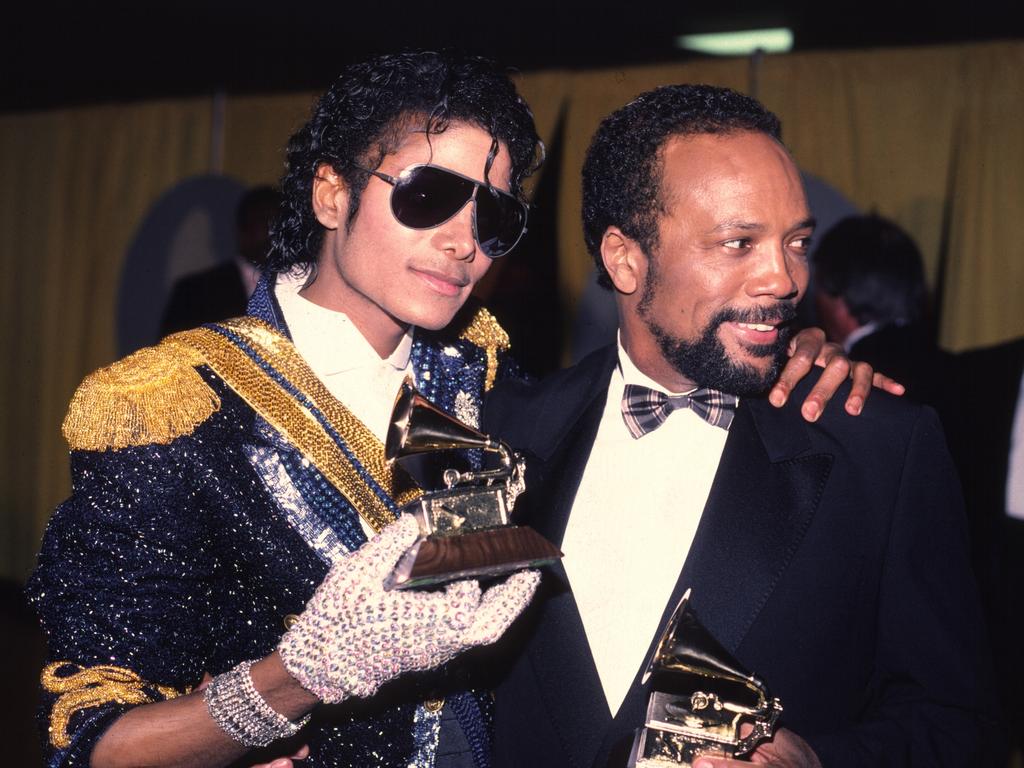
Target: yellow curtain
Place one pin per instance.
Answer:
(929, 137)
(984, 275)
(256, 132)
(74, 184)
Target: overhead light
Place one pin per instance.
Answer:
(773, 40)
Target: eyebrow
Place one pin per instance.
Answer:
(752, 226)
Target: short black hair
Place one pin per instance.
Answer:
(875, 267)
(362, 118)
(622, 172)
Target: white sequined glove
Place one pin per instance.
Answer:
(354, 636)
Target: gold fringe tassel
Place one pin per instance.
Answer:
(152, 396)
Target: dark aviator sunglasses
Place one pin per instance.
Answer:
(426, 196)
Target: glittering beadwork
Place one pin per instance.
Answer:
(176, 558)
(242, 713)
(249, 355)
(152, 396)
(355, 636)
(93, 687)
(485, 332)
(320, 536)
(426, 726)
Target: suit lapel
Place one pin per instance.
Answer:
(763, 498)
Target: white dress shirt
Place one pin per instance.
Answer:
(1015, 470)
(631, 526)
(343, 359)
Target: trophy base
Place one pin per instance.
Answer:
(491, 552)
(654, 748)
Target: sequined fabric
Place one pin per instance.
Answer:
(171, 560)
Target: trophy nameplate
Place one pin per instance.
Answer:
(701, 699)
(465, 529)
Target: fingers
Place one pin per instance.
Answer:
(861, 376)
(384, 549)
(286, 762)
(500, 606)
(461, 600)
(887, 383)
(803, 352)
(835, 373)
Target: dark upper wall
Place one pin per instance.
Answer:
(76, 53)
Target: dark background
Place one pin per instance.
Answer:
(59, 54)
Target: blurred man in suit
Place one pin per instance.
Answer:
(871, 297)
(222, 291)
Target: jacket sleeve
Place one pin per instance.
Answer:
(930, 700)
(122, 589)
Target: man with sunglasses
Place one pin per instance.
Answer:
(233, 516)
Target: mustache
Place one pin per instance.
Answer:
(775, 314)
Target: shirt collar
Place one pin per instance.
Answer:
(857, 334)
(633, 375)
(328, 339)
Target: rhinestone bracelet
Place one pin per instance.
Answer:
(242, 713)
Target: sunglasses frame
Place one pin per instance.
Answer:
(396, 182)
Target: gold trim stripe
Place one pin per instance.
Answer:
(295, 421)
(93, 687)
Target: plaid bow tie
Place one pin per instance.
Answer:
(644, 409)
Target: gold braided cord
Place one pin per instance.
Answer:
(152, 396)
(295, 422)
(93, 687)
(484, 331)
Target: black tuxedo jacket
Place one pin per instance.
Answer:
(831, 559)
(981, 436)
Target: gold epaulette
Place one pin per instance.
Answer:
(152, 396)
(484, 331)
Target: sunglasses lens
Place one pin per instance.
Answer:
(500, 221)
(429, 196)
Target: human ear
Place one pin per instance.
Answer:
(624, 260)
(330, 197)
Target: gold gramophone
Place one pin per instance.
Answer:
(464, 529)
(700, 700)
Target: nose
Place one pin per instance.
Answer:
(455, 236)
(778, 274)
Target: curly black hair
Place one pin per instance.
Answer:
(365, 115)
(623, 168)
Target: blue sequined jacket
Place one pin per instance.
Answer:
(214, 480)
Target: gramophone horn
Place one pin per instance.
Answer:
(418, 426)
(687, 645)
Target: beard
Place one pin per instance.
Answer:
(705, 360)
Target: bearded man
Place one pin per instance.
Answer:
(829, 557)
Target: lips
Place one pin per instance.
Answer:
(444, 283)
(758, 329)
(755, 334)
